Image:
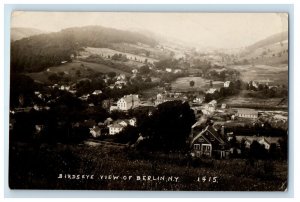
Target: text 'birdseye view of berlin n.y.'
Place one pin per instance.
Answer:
(148, 101)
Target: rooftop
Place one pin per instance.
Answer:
(247, 111)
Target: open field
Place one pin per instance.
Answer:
(71, 68)
(105, 52)
(38, 167)
(274, 74)
(141, 49)
(183, 84)
(248, 102)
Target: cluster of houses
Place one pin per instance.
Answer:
(207, 141)
(175, 71)
(125, 103)
(110, 127)
(266, 83)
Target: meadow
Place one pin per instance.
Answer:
(70, 69)
(183, 84)
(105, 52)
(274, 74)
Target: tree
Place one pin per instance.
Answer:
(169, 126)
(83, 87)
(21, 86)
(192, 83)
(257, 150)
(112, 74)
(53, 78)
(233, 142)
(211, 83)
(78, 73)
(128, 135)
(144, 69)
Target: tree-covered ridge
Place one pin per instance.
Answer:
(38, 52)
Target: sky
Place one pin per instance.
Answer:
(217, 30)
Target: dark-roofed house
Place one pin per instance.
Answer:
(247, 113)
(208, 143)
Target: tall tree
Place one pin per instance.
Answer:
(192, 83)
(169, 126)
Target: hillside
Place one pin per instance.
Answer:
(273, 39)
(73, 71)
(17, 33)
(38, 52)
(272, 50)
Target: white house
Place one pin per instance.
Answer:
(95, 131)
(120, 83)
(121, 77)
(84, 97)
(198, 100)
(212, 105)
(128, 102)
(134, 71)
(113, 107)
(254, 84)
(168, 70)
(132, 122)
(264, 142)
(97, 92)
(211, 91)
(37, 107)
(223, 106)
(226, 84)
(177, 71)
(205, 111)
(38, 128)
(115, 128)
(247, 113)
(160, 98)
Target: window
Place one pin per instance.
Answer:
(197, 146)
(206, 148)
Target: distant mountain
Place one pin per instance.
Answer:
(98, 36)
(38, 52)
(17, 33)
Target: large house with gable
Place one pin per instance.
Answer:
(208, 143)
(128, 102)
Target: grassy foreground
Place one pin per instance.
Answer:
(39, 166)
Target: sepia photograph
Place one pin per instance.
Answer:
(149, 101)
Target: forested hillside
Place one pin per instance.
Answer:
(38, 52)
